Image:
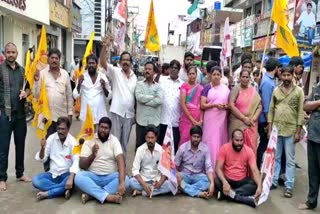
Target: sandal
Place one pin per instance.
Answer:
(305, 206)
(287, 193)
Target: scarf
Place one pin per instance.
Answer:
(7, 95)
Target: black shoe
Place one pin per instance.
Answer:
(248, 200)
(221, 196)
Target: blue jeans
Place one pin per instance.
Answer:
(192, 185)
(289, 147)
(98, 186)
(54, 186)
(135, 185)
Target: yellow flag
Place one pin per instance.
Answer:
(285, 39)
(151, 41)
(40, 57)
(27, 65)
(89, 50)
(42, 113)
(87, 130)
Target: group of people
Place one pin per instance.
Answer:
(221, 121)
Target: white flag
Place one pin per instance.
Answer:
(226, 47)
(167, 166)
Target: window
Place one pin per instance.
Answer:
(258, 8)
(247, 12)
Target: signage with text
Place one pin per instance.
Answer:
(76, 18)
(59, 14)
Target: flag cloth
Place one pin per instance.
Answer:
(268, 166)
(285, 39)
(87, 130)
(42, 113)
(166, 165)
(120, 12)
(226, 47)
(89, 50)
(151, 41)
(193, 7)
(40, 57)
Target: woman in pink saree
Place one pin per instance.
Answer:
(190, 104)
(214, 102)
(245, 106)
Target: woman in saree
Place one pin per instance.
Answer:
(190, 94)
(245, 106)
(214, 102)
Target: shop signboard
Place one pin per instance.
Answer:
(247, 37)
(76, 18)
(59, 14)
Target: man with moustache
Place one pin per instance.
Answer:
(93, 87)
(122, 110)
(12, 115)
(102, 160)
(286, 113)
(63, 164)
(297, 63)
(194, 169)
(149, 99)
(147, 178)
(235, 159)
(187, 62)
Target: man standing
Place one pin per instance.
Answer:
(297, 63)
(195, 173)
(187, 62)
(124, 81)
(170, 109)
(149, 99)
(266, 88)
(63, 164)
(234, 162)
(93, 87)
(147, 179)
(104, 170)
(286, 113)
(312, 104)
(12, 115)
(58, 89)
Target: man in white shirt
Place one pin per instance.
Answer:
(104, 170)
(93, 87)
(63, 164)
(124, 81)
(170, 108)
(187, 62)
(147, 179)
(306, 20)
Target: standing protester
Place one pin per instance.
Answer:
(286, 113)
(93, 87)
(58, 89)
(12, 115)
(312, 105)
(124, 81)
(207, 78)
(170, 108)
(214, 103)
(149, 98)
(188, 61)
(267, 86)
(190, 100)
(297, 64)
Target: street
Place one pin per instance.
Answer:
(21, 197)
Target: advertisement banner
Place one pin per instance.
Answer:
(247, 37)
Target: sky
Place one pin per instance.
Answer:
(165, 11)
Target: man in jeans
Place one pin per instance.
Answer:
(286, 113)
(194, 170)
(312, 104)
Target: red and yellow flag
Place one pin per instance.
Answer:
(89, 50)
(42, 118)
(152, 41)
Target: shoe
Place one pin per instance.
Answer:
(248, 200)
(287, 193)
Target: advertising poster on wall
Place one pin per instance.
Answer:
(305, 20)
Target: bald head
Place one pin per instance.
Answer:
(10, 52)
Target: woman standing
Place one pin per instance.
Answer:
(192, 115)
(245, 106)
(214, 102)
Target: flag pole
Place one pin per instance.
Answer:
(265, 45)
(230, 65)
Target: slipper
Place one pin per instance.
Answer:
(287, 193)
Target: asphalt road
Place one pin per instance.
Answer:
(21, 197)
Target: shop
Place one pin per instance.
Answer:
(20, 24)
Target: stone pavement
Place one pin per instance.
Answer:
(20, 197)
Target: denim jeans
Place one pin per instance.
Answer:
(54, 186)
(286, 143)
(135, 185)
(192, 185)
(98, 186)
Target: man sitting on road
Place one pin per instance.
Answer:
(232, 179)
(103, 161)
(195, 173)
(63, 164)
(147, 179)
